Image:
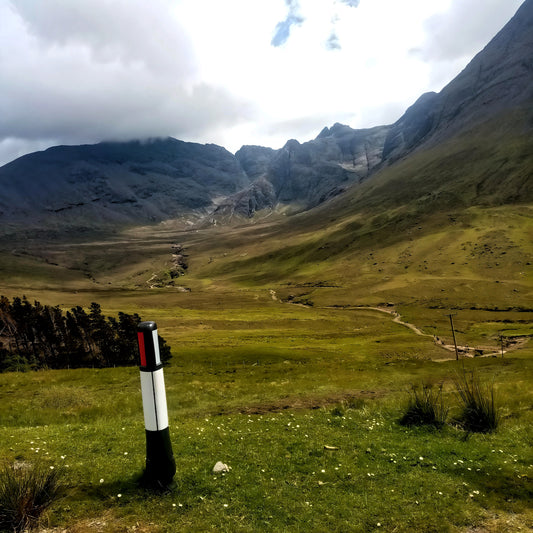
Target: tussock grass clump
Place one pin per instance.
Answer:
(338, 410)
(26, 490)
(478, 411)
(425, 407)
(349, 404)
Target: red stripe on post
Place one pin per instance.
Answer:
(142, 350)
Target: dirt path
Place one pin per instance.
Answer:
(397, 318)
(464, 351)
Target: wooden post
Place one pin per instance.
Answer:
(454, 341)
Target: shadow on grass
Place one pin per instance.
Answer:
(503, 485)
(133, 491)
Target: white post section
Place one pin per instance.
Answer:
(160, 463)
(154, 400)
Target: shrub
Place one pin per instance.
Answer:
(478, 412)
(425, 407)
(26, 490)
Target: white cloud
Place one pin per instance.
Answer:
(125, 31)
(73, 85)
(453, 36)
(467, 25)
(207, 71)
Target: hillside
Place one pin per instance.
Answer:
(481, 121)
(498, 80)
(114, 184)
(402, 212)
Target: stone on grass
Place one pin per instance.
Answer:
(220, 467)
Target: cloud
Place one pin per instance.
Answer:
(228, 72)
(454, 35)
(128, 108)
(77, 72)
(333, 42)
(304, 127)
(283, 28)
(350, 3)
(300, 12)
(128, 31)
(478, 20)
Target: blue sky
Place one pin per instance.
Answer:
(229, 72)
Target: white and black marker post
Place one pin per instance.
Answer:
(160, 463)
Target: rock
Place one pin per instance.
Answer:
(220, 467)
(183, 289)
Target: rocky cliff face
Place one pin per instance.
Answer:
(116, 183)
(498, 79)
(304, 175)
(137, 182)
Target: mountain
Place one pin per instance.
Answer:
(302, 176)
(491, 97)
(498, 79)
(116, 183)
(98, 186)
(443, 216)
(468, 144)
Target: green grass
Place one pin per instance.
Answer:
(302, 401)
(282, 478)
(265, 387)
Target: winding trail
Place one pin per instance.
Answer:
(397, 318)
(464, 351)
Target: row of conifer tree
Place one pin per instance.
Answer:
(36, 336)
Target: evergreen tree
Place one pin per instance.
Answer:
(35, 336)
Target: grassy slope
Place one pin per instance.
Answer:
(447, 244)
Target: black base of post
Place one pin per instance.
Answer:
(160, 462)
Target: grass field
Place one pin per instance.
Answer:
(284, 369)
(301, 402)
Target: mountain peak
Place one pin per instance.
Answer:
(336, 129)
(498, 78)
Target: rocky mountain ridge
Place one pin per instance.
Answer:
(115, 184)
(304, 175)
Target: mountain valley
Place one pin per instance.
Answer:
(308, 296)
(434, 211)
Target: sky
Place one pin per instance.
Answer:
(229, 72)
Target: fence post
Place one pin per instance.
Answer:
(160, 463)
